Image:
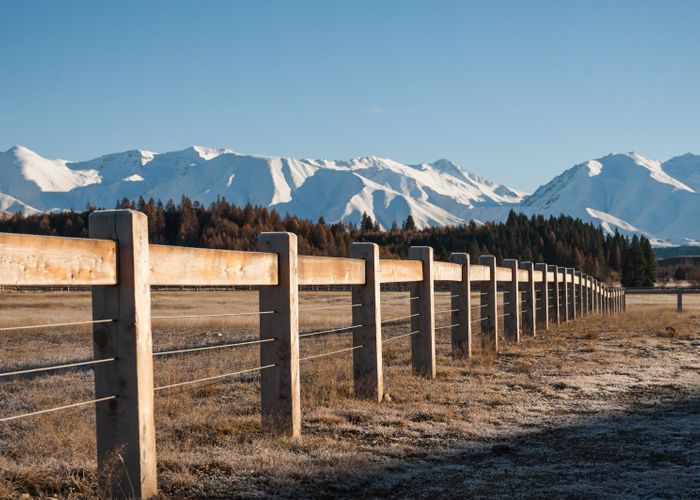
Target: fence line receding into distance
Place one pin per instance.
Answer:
(120, 266)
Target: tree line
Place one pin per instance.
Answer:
(562, 240)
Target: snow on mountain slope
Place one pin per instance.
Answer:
(625, 191)
(685, 168)
(620, 191)
(434, 194)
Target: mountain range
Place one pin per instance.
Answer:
(627, 192)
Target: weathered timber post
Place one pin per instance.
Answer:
(461, 316)
(279, 386)
(511, 303)
(572, 292)
(367, 361)
(584, 294)
(591, 286)
(489, 291)
(624, 300)
(126, 437)
(565, 288)
(423, 343)
(578, 276)
(543, 287)
(530, 302)
(556, 296)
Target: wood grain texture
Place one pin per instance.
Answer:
(423, 343)
(368, 376)
(171, 265)
(331, 271)
(447, 271)
(27, 260)
(280, 389)
(461, 315)
(489, 299)
(478, 273)
(126, 425)
(503, 274)
(400, 271)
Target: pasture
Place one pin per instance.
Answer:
(599, 406)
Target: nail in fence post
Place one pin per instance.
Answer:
(542, 314)
(565, 289)
(489, 327)
(572, 292)
(461, 316)
(126, 438)
(279, 385)
(423, 343)
(556, 306)
(530, 302)
(511, 322)
(367, 361)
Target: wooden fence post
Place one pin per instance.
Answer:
(461, 316)
(423, 343)
(542, 310)
(489, 290)
(572, 292)
(565, 289)
(126, 437)
(530, 302)
(556, 306)
(511, 303)
(280, 393)
(367, 361)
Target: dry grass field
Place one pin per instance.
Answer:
(600, 407)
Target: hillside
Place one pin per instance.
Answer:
(625, 192)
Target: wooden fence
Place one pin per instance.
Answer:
(678, 292)
(120, 266)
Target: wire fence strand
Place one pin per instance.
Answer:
(57, 408)
(446, 326)
(212, 347)
(400, 318)
(223, 315)
(215, 377)
(57, 367)
(396, 337)
(397, 301)
(330, 353)
(332, 330)
(51, 325)
(320, 308)
(445, 311)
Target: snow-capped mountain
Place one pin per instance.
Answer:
(433, 193)
(619, 191)
(630, 193)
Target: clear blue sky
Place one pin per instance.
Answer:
(515, 91)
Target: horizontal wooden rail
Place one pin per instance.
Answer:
(27, 260)
(504, 274)
(477, 272)
(400, 271)
(447, 271)
(171, 265)
(331, 271)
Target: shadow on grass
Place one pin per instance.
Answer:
(651, 451)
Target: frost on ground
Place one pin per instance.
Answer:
(605, 407)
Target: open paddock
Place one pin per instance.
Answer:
(563, 414)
